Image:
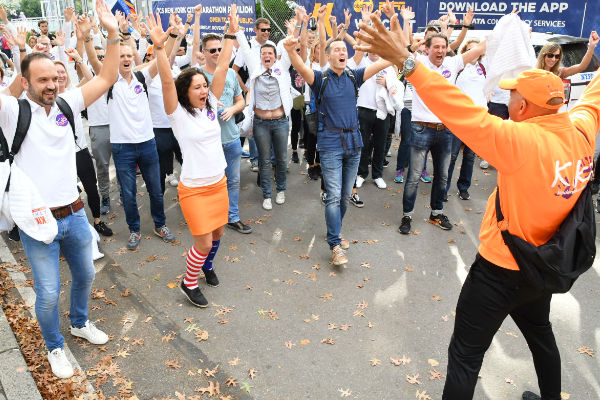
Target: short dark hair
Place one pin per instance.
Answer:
(42, 22)
(268, 45)
(182, 84)
(98, 48)
(328, 47)
(208, 37)
(431, 28)
(261, 21)
(436, 35)
(28, 59)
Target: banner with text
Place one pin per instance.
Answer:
(214, 13)
(574, 17)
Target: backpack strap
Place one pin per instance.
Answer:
(65, 108)
(324, 81)
(109, 94)
(483, 69)
(140, 77)
(23, 123)
(353, 78)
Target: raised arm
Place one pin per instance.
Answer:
(586, 113)
(218, 82)
(474, 53)
(365, 17)
(83, 71)
(585, 61)
(322, 38)
(467, 20)
(84, 27)
(108, 74)
(196, 33)
(376, 67)
(158, 36)
(290, 47)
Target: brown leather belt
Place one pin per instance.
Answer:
(437, 127)
(65, 211)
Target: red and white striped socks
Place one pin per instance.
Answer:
(194, 263)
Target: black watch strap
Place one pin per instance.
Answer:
(227, 36)
(410, 50)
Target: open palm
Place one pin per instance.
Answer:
(154, 27)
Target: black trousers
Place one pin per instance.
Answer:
(498, 109)
(296, 127)
(87, 175)
(390, 134)
(374, 133)
(489, 294)
(310, 142)
(167, 147)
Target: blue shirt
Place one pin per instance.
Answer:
(338, 110)
(232, 89)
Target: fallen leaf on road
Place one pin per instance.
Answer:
(436, 297)
(586, 350)
(374, 362)
(289, 344)
(172, 364)
(252, 373)
(328, 341)
(434, 374)
(400, 361)
(422, 395)
(234, 362)
(231, 382)
(433, 362)
(413, 379)
(344, 393)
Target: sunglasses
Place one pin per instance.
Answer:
(265, 30)
(100, 57)
(298, 50)
(213, 51)
(556, 56)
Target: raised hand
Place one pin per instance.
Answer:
(594, 39)
(73, 54)
(451, 17)
(407, 13)
(135, 19)
(189, 19)
(388, 44)
(290, 25)
(84, 25)
(69, 13)
(234, 24)
(59, 39)
(198, 11)
(388, 9)
(468, 17)
(10, 38)
(321, 13)
(154, 27)
(106, 18)
(3, 16)
(290, 43)
(21, 37)
(347, 17)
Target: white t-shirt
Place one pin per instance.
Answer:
(129, 111)
(199, 137)
(471, 81)
(157, 105)
(47, 155)
(367, 94)
(449, 70)
(98, 112)
(255, 48)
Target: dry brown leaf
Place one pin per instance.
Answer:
(586, 350)
(413, 379)
(252, 373)
(304, 342)
(234, 362)
(231, 382)
(374, 362)
(423, 395)
(325, 297)
(435, 374)
(172, 364)
(328, 340)
(436, 297)
(344, 392)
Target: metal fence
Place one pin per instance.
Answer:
(276, 11)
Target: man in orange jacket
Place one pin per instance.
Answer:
(544, 161)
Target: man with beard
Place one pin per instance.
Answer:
(47, 157)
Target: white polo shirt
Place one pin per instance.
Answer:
(471, 81)
(129, 111)
(449, 70)
(199, 137)
(47, 155)
(157, 105)
(98, 112)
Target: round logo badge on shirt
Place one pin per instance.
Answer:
(137, 89)
(479, 70)
(3, 84)
(210, 115)
(446, 74)
(61, 120)
(277, 71)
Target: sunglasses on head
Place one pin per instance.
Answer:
(557, 56)
(265, 30)
(213, 51)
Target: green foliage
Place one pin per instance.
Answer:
(11, 7)
(276, 11)
(31, 8)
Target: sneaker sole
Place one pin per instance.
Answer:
(357, 205)
(340, 262)
(403, 233)
(190, 300)
(438, 224)
(239, 230)
(217, 285)
(83, 337)
(164, 240)
(425, 180)
(132, 248)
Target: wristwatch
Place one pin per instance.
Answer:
(228, 36)
(409, 65)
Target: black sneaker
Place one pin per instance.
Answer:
(440, 220)
(240, 227)
(404, 227)
(527, 395)
(445, 198)
(385, 163)
(295, 158)
(464, 195)
(105, 206)
(195, 296)
(324, 198)
(14, 234)
(355, 200)
(211, 278)
(318, 169)
(102, 229)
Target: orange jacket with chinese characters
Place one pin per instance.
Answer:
(543, 163)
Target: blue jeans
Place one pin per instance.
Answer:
(74, 241)
(126, 156)
(271, 133)
(439, 143)
(466, 169)
(252, 150)
(233, 156)
(339, 174)
(403, 157)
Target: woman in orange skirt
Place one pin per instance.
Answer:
(191, 106)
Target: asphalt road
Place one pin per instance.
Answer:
(307, 329)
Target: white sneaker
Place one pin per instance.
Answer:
(484, 164)
(380, 183)
(172, 179)
(61, 367)
(267, 205)
(280, 198)
(90, 333)
(359, 181)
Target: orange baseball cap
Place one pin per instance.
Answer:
(150, 50)
(537, 86)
